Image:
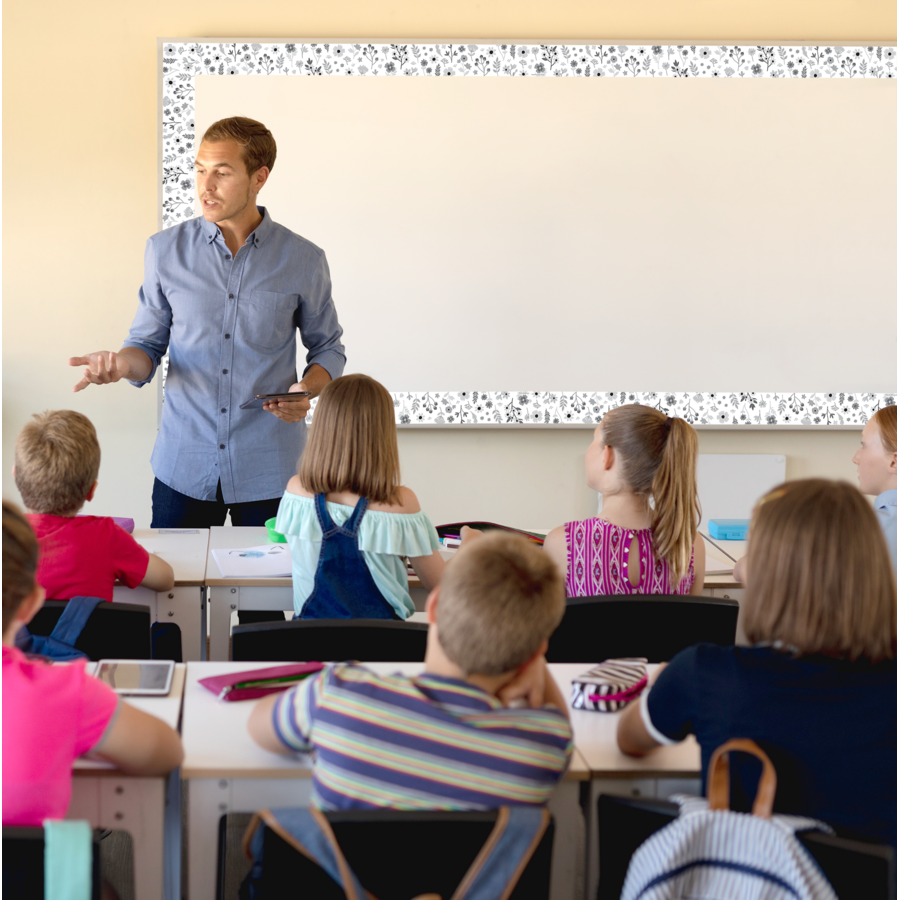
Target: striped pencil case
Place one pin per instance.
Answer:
(611, 685)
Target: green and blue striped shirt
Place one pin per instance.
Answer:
(428, 742)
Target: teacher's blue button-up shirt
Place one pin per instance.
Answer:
(886, 510)
(229, 326)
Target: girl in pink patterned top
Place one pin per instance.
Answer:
(645, 541)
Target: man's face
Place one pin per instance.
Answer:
(874, 463)
(224, 186)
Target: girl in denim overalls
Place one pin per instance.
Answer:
(348, 522)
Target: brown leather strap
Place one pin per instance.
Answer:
(718, 779)
(343, 867)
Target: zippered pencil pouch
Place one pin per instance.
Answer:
(611, 685)
(259, 682)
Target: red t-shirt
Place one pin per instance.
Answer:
(51, 715)
(82, 556)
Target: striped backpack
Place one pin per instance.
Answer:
(712, 853)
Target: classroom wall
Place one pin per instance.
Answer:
(80, 199)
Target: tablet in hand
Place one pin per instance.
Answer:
(259, 399)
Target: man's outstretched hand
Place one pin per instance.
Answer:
(102, 367)
(290, 410)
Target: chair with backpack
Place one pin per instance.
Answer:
(51, 861)
(654, 626)
(699, 849)
(87, 626)
(325, 640)
(471, 855)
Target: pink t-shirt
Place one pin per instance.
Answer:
(82, 556)
(51, 715)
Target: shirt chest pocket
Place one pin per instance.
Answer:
(266, 321)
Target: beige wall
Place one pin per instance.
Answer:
(79, 200)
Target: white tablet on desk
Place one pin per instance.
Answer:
(137, 677)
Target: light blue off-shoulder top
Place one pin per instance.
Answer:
(385, 538)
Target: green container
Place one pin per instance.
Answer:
(274, 536)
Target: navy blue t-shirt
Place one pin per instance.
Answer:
(829, 726)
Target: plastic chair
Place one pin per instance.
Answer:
(654, 626)
(114, 630)
(396, 855)
(326, 640)
(854, 868)
(23, 864)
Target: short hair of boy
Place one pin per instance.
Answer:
(352, 442)
(500, 598)
(819, 577)
(255, 140)
(20, 559)
(886, 417)
(57, 461)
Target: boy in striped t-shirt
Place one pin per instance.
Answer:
(484, 726)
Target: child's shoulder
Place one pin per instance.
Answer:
(406, 504)
(295, 486)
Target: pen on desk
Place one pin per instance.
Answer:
(711, 541)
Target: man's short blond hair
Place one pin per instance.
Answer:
(255, 140)
(500, 598)
(57, 461)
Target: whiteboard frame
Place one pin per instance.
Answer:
(180, 62)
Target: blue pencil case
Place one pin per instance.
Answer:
(729, 529)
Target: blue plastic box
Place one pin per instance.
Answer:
(729, 529)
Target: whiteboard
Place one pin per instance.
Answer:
(535, 234)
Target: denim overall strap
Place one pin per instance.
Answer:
(344, 587)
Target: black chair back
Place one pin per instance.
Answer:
(23, 864)
(114, 630)
(854, 868)
(328, 640)
(438, 848)
(655, 626)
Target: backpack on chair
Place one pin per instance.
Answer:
(712, 853)
(59, 645)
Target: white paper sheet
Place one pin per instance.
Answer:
(265, 561)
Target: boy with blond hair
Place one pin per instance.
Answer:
(448, 738)
(57, 462)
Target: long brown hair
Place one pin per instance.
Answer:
(353, 442)
(659, 458)
(20, 559)
(819, 576)
(886, 417)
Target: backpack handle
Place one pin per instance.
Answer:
(718, 778)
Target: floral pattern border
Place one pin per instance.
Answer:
(183, 62)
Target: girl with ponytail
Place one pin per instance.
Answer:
(645, 541)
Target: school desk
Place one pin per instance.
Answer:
(185, 551)
(225, 771)
(663, 772)
(149, 808)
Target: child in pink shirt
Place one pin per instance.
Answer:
(57, 461)
(55, 713)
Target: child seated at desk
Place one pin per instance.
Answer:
(55, 713)
(818, 688)
(347, 520)
(57, 462)
(634, 547)
(446, 739)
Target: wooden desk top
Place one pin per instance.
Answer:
(185, 552)
(233, 537)
(217, 745)
(167, 708)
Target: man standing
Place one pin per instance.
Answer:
(225, 294)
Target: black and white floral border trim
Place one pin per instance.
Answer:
(183, 62)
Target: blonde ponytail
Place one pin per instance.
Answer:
(676, 506)
(659, 459)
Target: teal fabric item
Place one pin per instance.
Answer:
(383, 538)
(68, 859)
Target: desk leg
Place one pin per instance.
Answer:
(567, 869)
(184, 607)
(222, 602)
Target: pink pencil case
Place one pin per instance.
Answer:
(259, 682)
(610, 686)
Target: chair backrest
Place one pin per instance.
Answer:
(23, 864)
(114, 630)
(397, 855)
(327, 640)
(854, 868)
(655, 626)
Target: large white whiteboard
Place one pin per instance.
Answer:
(556, 234)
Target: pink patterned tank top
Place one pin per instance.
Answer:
(597, 562)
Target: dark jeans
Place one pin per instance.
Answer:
(172, 509)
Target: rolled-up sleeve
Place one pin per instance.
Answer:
(150, 328)
(317, 320)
